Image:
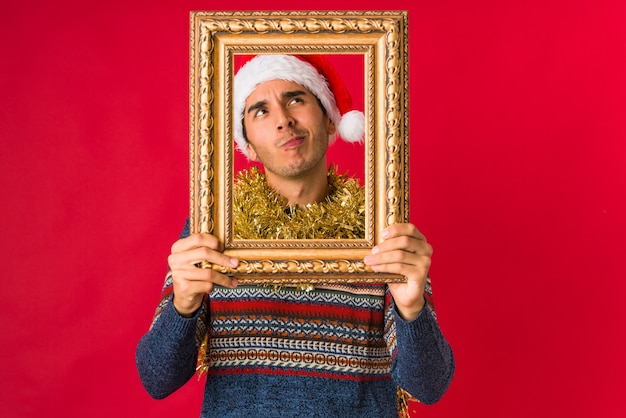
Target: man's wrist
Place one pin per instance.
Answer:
(412, 312)
(187, 312)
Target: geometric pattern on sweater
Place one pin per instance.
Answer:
(335, 331)
(359, 295)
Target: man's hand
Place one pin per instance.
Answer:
(191, 282)
(404, 251)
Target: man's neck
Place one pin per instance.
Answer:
(303, 190)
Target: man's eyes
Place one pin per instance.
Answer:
(295, 100)
(292, 101)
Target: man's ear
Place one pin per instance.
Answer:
(331, 127)
(251, 153)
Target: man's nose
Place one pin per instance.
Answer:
(284, 119)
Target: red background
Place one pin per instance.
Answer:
(518, 178)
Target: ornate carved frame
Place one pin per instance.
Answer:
(381, 37)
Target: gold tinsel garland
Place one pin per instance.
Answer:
(259, 212)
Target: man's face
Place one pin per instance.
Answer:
(286, 128)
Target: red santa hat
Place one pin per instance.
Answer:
(313, 72)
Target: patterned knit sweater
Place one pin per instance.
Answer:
(337, 351)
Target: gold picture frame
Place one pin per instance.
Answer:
(381, 37)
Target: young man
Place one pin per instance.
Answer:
(342, 350)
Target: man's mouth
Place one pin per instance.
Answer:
(293, 142)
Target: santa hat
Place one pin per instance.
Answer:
(315, 73)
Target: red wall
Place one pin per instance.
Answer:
(518, 178)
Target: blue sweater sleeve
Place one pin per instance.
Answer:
(424, 363)
(166, 355)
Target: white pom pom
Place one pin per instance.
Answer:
(352, 126)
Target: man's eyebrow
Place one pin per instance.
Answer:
(258, 105)
(293, 93)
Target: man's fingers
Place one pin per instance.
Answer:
(196, 241)
(404, 244)
(191, 280)
(203, 279)
(402, 229)
(399, 257)
(404, 250)
(195, 255)
(201, 254)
